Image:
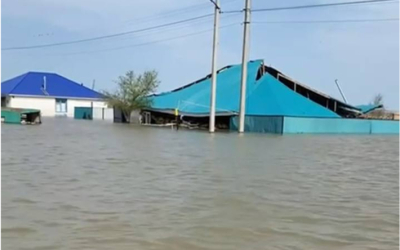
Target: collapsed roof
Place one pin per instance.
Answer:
(268, 93)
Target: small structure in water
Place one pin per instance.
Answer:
(51, 93)
(20, 116)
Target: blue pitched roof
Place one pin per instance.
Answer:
(265, 96)
(31, 84)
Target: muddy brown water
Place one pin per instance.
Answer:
(69, 184)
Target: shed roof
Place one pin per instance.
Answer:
(32, 84)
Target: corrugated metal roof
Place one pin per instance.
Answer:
(195, 97)
(265, 96)
(32, 84)
(272, 98)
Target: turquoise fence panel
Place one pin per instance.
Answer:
(85, 113)
(259, 124)
(307, 125)
(384, 127)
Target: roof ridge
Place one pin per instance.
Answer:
(19, 82)
(76, 83)
(208, 76)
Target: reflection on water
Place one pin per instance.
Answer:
(70, 184)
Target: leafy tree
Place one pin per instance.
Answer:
(133, 91)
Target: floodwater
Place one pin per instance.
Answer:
(69, 184)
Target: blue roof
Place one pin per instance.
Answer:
(264, 96)
(32, 83)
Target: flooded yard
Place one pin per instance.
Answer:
(69, 184)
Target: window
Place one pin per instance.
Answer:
(61, 106)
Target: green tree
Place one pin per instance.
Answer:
(132, 92)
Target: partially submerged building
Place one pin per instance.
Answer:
(52, 94)
(275, 103)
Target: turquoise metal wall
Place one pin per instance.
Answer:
(307, 125)
(310, 125)
(85, 113)
(259, 124)
(384, 127)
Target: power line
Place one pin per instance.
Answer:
(322, 5)
(232, 11)
(312, 6)
(168, 13)
(106, 36)
(177, 11)
(171, 29)
(147, 43)
(328, 21)
(199, 22)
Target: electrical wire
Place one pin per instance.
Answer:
(328, 21)
(184, 21)
(322, 5)
(147, 43)
(200, 22)
(178, 11)
(106, 36)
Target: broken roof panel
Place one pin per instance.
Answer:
(271, 97)
(369, 107)
(266, 94)
(195, 98)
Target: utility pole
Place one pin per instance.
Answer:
(93, 83)
(214, 66)
(244, 65)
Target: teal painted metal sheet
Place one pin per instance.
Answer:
(266, 96)
(272, 98)
(369, 107)
(259, 124)
(306, 125)
(85, 113)
(20, 115)
(384, 127)
(195, 98)
(10, 116)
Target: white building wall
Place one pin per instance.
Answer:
(106, 114)
(47, 106)
(72, 103)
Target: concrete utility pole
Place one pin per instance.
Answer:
(244, 65)
(214, 66)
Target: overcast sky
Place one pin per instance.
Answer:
(364, 56)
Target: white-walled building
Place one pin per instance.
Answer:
(51, 93)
